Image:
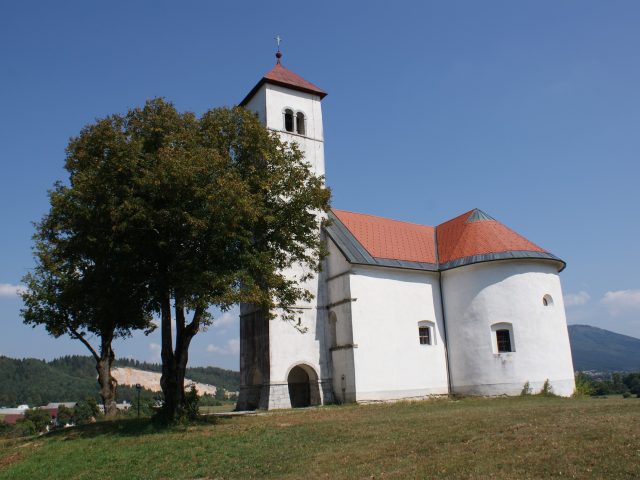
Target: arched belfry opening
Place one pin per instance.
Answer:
(303, 387)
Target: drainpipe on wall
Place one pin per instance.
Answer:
(444, 326)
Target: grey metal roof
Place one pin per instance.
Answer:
(479, 215)
(510, 255)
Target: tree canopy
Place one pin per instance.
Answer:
(87, 280)
(171, 213)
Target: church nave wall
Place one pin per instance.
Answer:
(390, 362)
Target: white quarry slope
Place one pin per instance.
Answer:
(151, 380)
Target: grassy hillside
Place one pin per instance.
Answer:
(523, 437)
(604, 351)
(72, 378)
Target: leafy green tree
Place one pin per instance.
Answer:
(632, 381)
(86, 280)
(207, 400)
(584, 385)
(617, 383)
(24, 428)
(257, 201)
(40, 418)
(65, 415)
(176, 214)
(148, 402)
(86, 411)
(5, 429)
(192, 403)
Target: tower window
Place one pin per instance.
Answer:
(288, 120)
(300, 126)
(547, 300)
(503, 339)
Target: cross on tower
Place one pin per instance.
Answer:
(278, 54)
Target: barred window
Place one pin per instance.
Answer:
(503, 338)
(424, 334)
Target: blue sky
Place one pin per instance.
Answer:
(528, 110)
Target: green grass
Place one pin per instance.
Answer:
(225, 407)
(528, 437)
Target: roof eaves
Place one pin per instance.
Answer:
(510, 255)
(279, 83)
(253, 91)
(391, 262)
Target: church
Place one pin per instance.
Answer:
(400, 310)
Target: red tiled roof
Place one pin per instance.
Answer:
(392, 239)
(460, 238)
(472, 234)
(284, 77)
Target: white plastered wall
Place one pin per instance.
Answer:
(390, 362)
(481, 295)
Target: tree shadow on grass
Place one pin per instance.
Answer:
(124, 427)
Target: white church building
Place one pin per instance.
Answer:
(403, 310)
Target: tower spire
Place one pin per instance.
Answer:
(278, 39)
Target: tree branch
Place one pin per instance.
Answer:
(79, 336)
(194, 326)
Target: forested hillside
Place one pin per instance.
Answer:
(72, 378)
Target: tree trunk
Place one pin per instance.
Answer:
(104, 360)
(168, 378)
(108, 384)
(174, 363)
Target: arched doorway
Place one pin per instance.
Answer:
(299, 388)
(304, 387)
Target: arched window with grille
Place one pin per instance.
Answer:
(288, 120)
(301, 128)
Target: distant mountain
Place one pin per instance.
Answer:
(603, 351)
(72, 378)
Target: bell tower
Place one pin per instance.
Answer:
(290, 105)
(284, 365)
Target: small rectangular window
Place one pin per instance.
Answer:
(424, 334)
(503, 337)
